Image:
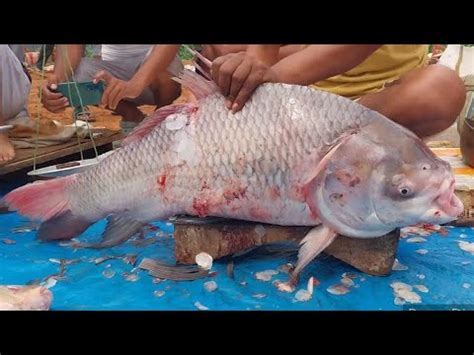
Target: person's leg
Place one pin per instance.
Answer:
(14, 90)
(426, 100)
(164, 89)
(45, 52)
(161, 92)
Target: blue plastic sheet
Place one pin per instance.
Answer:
(442, 267)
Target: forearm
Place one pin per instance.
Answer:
(267, 53)
(67, 60)
(289, 49)
(319, 62)
(157, 62)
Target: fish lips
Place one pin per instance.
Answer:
(449, 203)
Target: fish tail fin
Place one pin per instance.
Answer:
(42, 199)
(48, 201)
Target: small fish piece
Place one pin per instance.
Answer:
(55, 261)
(338, 289)
(159, 293)
(200, 306)
(259, 295)
(405, 232)
(347, 282)
(129, 276)
(109, 273)
(69, 243)
(303, 295)
(26, 229)
(283, 286)
(466, 285)
(25, 298)
(101, 259)
(350, 275)
(50, 282)
(204, 261)
(397, 266)
(421, 251)
(210, 286)
(421, 276)
(130, 259)
(404, 291)
(462, 235)
(421, 288)
(466, 246)
(416, 240)
(157, 280)
(8, 241)
(399, 301)
(310, 285)
(265, 275)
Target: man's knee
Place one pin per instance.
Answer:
(438, 94)
(167, 92)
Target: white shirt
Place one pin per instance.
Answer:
(112, 52)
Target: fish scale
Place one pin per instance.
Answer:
(259, 134)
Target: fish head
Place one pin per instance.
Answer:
(32, 297)
(385, 178)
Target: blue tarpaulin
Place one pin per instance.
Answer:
(437, 268)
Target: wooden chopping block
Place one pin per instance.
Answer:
(222, 237)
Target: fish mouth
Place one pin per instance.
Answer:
(449, 203)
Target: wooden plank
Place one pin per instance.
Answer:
(25, 157)
(222, 237)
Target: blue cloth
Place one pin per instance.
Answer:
(445, 270)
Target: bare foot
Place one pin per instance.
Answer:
(7, 152)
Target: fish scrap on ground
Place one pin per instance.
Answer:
(173, 272)
(25, 298)
(293, 156)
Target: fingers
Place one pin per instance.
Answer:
(115, 96)
(226, 72)
(239, 78)
(253, 81)
(53, 101)
(104, 76)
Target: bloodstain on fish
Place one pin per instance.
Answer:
(201, 207)
(347, 179)
(161, 182)
(274, 192)
(238, 193)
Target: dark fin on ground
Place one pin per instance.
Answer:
(119, 229)
(173, 272)
(63, 226)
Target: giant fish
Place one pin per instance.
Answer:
(292, 156)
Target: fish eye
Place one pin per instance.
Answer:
(425, 167)
(404, 191)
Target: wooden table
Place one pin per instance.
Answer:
(25, 157)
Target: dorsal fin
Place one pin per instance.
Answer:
(149, 123)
